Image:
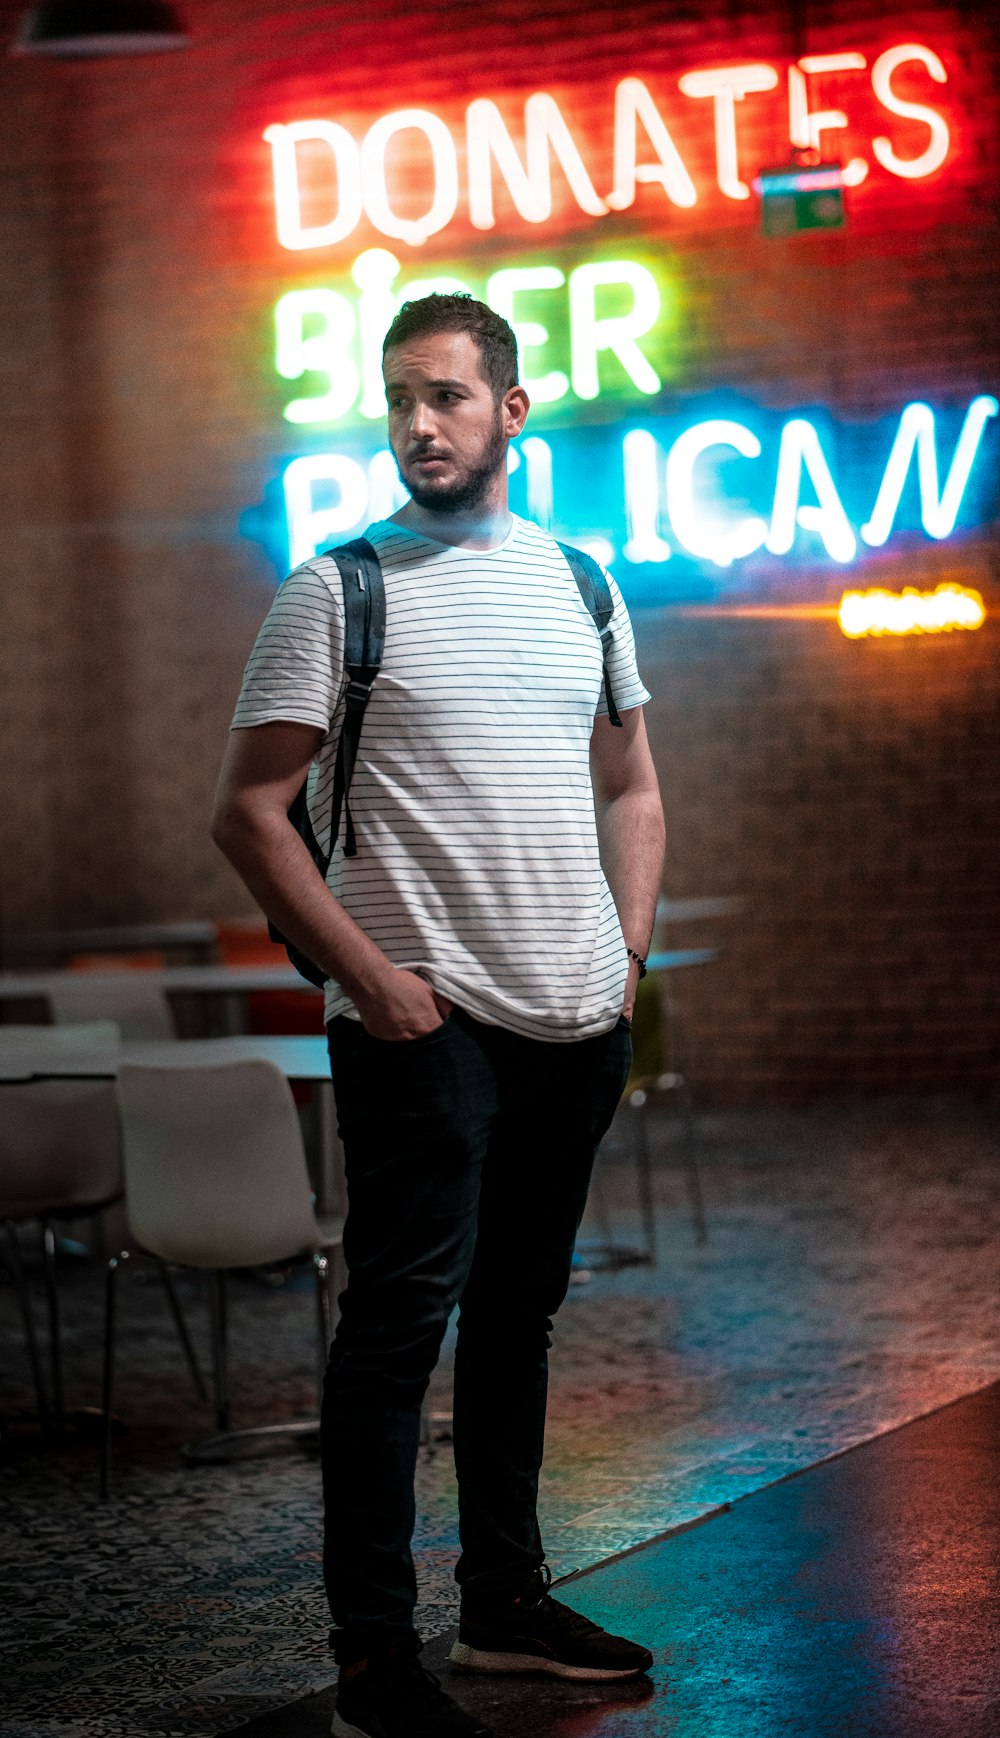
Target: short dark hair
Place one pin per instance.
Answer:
(461, 313)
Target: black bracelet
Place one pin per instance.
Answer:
(639, 961)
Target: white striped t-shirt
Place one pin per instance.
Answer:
(472, 800)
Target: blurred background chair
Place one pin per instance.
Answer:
(216, 1178)
(60, 1160)
(132, 999)
(658, 1081)
(655, 1082)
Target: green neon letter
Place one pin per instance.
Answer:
(319, 352)
(500, 292)
(615, 332)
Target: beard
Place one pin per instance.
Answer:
(468, 490)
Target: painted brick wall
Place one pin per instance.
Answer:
(847, 792)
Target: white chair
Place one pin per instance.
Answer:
(60, 1159)
(132, 999)
(216, 1178)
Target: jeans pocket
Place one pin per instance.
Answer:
(408, 1043)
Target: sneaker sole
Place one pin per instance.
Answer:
(340, 1729)
(474, 1659)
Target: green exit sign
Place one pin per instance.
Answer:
(800, 198)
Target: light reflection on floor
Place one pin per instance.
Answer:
(848, 1284)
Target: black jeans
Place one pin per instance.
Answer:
(469, 1153)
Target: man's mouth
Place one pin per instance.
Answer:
(428, 459)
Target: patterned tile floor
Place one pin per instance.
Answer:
(848, 1284)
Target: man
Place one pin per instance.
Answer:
(482, 969)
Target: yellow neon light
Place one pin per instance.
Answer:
(910, 611)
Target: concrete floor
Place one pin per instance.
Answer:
(848, 1287)
(860, 1599)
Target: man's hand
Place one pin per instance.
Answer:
(404, 1006)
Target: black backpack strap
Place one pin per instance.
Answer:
(364, 642)
(596, 594)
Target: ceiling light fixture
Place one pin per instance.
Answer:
(89, 29)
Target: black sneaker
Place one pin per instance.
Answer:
(538, 1634)
(394, 1697)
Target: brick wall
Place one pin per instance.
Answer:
(847, 791)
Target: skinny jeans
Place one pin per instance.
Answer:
(469, 1153)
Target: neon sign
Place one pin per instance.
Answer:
(319, 159)
(910, 611)
(613, 312)
(713, 493)
(717, 488)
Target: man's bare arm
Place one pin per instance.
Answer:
(262, 771)
(630, 828)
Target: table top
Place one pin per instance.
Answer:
(298, 1058)
(133, 937)
(175, 980)
(241, 980)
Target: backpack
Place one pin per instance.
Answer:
(364, 642)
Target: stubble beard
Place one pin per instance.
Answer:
(469, 492)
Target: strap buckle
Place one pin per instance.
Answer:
(358, 692)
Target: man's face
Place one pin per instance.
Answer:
(446, 430)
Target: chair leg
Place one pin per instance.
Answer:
(107, 1384)
(55, 1347)
(182, 1331)
(644, 1182)
(20, 1286)
(219, 1360)
(599, 1201)
(324, 1331)
(692, 1171)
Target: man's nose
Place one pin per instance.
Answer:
(422, 423)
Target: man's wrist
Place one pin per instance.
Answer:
(368, 981)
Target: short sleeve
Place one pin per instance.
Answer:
(296, 667)
(626, 683)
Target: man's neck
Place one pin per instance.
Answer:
(484, 527)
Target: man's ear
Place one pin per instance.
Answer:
(514, 405)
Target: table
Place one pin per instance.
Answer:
(196, 937)
(175, 980)
(230, 983)
(302, 1059)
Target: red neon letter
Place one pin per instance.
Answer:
(804, 124)
(911, 168)
(728, 85)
